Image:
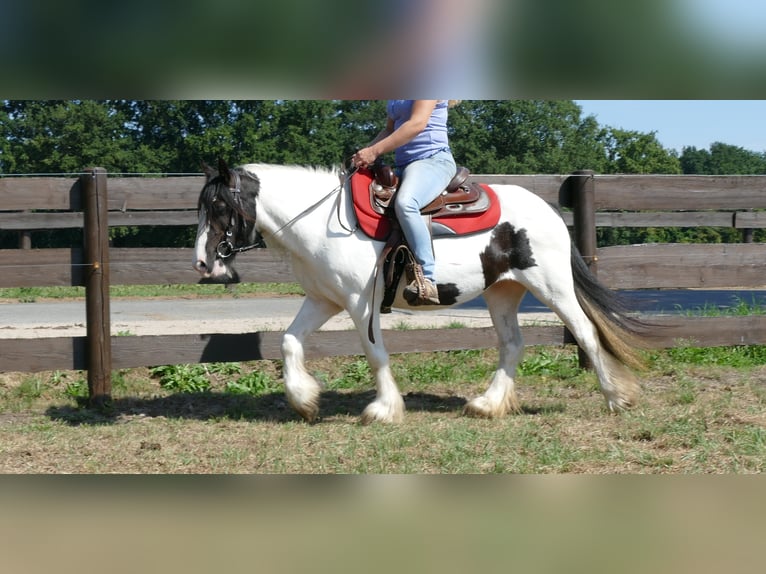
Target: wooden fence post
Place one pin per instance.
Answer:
(99, 342)
(25, 238)
(581, 192)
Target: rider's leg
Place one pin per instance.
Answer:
(422, 182)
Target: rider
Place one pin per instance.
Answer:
(416, 130)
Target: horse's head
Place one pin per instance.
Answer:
(226, 210)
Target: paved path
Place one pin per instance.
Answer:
(222, 315)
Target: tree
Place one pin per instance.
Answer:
(722, 159)
(176, 135)
(63, 137)
(636, 152)
(147, 136)
(525, 136)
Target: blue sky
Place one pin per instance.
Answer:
(680, 123)
(736, 23)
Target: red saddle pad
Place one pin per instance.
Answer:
(378, 226)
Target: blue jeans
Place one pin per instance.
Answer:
(422, 182)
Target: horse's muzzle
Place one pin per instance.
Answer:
(200, 266)
(229, 274)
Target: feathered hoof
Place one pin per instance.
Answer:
(622, 399)
(379, 412)
(305, 403)
(619, 404)
(308, 411)
(482, 407)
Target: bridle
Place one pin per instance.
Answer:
(226, 248)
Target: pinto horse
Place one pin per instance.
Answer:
(306, 213)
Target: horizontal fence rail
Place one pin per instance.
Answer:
(70, 353)
(42, 203)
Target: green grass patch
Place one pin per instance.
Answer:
(182, 378)
(254, 383)
(225, 377)
(739, 308)
(32, 294)
(741, 356)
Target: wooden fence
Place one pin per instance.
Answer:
(95, 201)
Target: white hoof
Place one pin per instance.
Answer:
(482, 407)
(384, 412)
(305, 399)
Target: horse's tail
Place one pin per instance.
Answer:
(621, 333)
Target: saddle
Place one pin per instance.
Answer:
(458, 197)
(462, 208)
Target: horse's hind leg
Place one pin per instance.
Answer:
(301, 388)
(503, 300)
(618, 384)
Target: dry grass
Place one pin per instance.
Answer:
(691, 419)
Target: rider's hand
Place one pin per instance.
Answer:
(364, 157)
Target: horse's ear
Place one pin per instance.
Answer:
(209, 172)
(223, 170)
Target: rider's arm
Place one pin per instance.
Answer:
(389, 139)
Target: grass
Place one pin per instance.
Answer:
(32, 294)
(701, 411)
(738, 308)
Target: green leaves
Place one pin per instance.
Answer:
(201, 378)
(182, 378)
(722, 159)
(636, 152)
(173, 136)
(169, 136)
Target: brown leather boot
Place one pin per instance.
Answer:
(421, 291)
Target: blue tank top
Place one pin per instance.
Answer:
(428, 142)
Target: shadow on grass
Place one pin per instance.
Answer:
(271, 407)
(543, 409)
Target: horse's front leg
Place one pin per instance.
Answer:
(388, 406)
(301, 388)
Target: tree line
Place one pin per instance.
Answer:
(487, 136)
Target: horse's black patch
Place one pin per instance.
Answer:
(508, 249)
(448, 293)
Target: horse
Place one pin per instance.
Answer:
(307, 213)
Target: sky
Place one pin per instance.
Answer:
(680, 123)
(738, 23)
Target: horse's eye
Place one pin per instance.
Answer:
(219, 206)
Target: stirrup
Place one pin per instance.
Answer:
(420, 291)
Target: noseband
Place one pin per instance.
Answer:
(226, 248)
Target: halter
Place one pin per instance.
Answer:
(225, 248)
